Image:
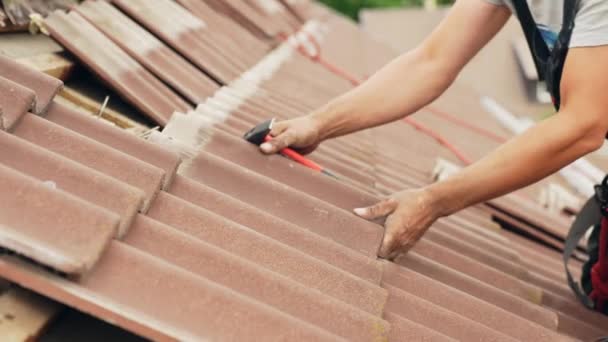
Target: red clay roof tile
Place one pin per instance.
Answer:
(114, 66)
(189, 35)
(451, 324)
(403, 330)
(50, 226)
(128, 287)
(467, 305)
(86, 151)
(484, 256)
(45, 87)
(278, 229)
(71, 177)
(15, 101)
(578, 329)
(115, 138)
(484, 291)
(273, 197)
(247, 243)
(488, 233)
(148, 50)
(286, 171)
(239, 12)
(228, 29)
(254, 281)
(477, 269)
(571, 306)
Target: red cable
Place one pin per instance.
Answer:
(316, 57)
(426, 130)
(329, 66)
(468, 125)
(340, 72)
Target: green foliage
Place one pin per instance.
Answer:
(351, 7)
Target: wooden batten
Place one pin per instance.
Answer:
(24, 315)
(52, 64)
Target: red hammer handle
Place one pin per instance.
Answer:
(295, 156)
(301, 159)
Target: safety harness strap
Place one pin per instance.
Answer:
(549, 62)
(538, 47)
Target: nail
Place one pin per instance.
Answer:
(360, 211)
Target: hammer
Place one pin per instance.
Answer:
(261, 133)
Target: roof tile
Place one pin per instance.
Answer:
(81, 149)
(467, 305)
(114, 66)
(273, 255)
(273, 197)
(15, 101)
(71, 177)
(45, 87)
(475, 287)
(50, 226)
(578, 329)
(425, 313)
(278, 229)
(190, 37)
(403, 330)
(149, 50)
(465, 248)
(118, 139)
(477, 269)
(286, 171)
(572, 307)
(128, 287)
(254, 281)
(228, 29)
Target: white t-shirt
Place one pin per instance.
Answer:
(591, 24)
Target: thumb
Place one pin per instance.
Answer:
(390, 243)
(389, 250)
(276, 144)
(380, 209)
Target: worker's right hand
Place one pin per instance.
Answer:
(300, 134)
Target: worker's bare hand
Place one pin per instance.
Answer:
(301, 134)
(408, 216)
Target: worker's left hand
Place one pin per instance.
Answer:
(408, 216)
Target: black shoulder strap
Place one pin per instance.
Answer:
(589, 216)
(549, 64)
(569, 15)
(555, 64)
(538, 46)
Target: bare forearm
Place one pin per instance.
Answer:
(579, 128)
(416, 78)
(400, 88)
(403, 86)
(537, 153)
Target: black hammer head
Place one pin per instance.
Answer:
(258, 133)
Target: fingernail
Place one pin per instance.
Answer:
(266, 147)
(360, 211)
